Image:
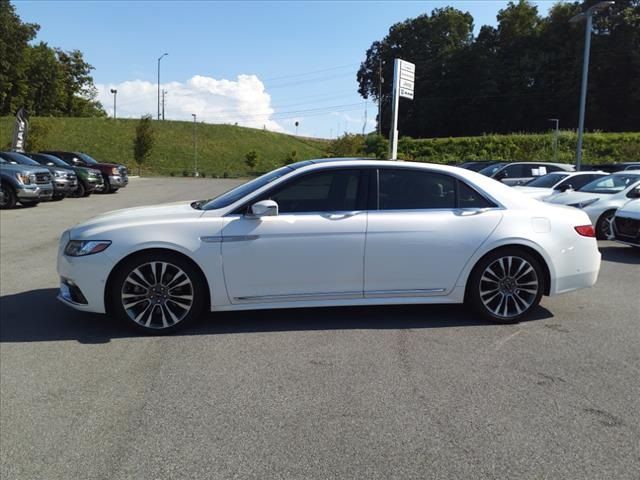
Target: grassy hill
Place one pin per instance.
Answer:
(221, 149)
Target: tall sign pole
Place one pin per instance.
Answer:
(403, 86)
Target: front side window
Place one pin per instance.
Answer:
(411, 189)
(328, 191)
(546, 181)
(577, 181)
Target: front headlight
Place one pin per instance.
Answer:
(586, 203)
(26, 178)
(80, 248)
(115, 171)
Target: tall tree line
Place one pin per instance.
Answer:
(47, 81)
(512, 77)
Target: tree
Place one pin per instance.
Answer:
(14, 41)
(251, 159)
(143, 141)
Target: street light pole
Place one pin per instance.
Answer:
(115, 92)
(588, 16)
(195, 151)
(555, 137)
(159, 58)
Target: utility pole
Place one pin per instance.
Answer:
(159, 58)
(195, 149)
(379, 96)
(555, 137)
(164, 92)
(364, 126)
(588, 15)
(115, 92)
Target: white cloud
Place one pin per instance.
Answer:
(244, 100)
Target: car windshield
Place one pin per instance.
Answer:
(610, 184)
(241, 191)
(43, 158)
(490, 170)
(18, 158)
(547, 181)
(87, 158)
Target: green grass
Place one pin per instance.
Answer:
(221, 149)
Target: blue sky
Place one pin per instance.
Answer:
(303, 55)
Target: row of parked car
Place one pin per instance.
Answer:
(609, 194)
(29, 178)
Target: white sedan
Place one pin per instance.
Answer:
(325, 233)
(601, 198)
(556, 182)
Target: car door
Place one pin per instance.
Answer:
(312, 250)
(512, 174)
(425, 229)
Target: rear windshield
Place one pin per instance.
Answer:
(610, 184)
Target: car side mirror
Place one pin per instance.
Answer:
(264, 208)
(50, 164)
(565, 187)
(502, 174)
(635, 193)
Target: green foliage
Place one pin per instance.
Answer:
(292, 157)
(376, 146)
(220, 147)
(143, 141)
(348, 145)
(251, 159)
(511, 77)
(598, 148)
(45, 80)
(37, 136)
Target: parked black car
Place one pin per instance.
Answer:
(613, 167)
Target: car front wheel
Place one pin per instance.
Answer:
(604, 226)
(157, 293)
(506, 285)
(7, 196)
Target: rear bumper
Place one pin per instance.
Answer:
(579, 269)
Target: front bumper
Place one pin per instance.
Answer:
(61, 185)
(118, 181)
(35, 192)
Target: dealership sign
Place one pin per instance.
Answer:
(404, 80)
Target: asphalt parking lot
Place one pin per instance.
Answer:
(385, 392)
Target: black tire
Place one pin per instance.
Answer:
(603, 225)
(29, 203)
(80, 191)
(58, 197)
(7, 196)
(515, 292)
(152, 311)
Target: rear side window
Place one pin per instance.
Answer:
(468, 198)
(412, 189)
(577, 181)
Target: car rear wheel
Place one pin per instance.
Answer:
(7, 196)
(604, 225)
(506, 285)
(157, 293)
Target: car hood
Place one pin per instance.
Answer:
(169, 213)
(13, 167)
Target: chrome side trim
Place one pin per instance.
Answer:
(301, 296)
(404, 293)
(214, 239)
(235, 238)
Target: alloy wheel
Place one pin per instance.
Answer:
(157, 295)
(509, 286)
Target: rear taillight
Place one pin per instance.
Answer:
(586, 231)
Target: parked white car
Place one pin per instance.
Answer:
(626, 223)
(325, 233)
(556, 182)
(519, 173)
(601, 198)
